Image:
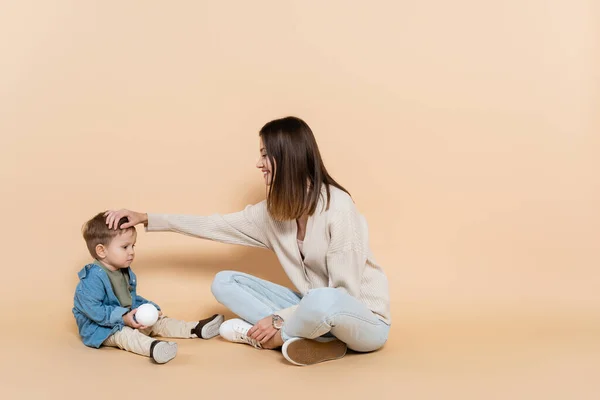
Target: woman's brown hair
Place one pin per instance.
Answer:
(298, 172)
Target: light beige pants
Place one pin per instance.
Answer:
(139, 342)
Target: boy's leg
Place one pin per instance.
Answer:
(172, 328)
(137, 342)
(131, 340)
(169, 327)
(249, 297)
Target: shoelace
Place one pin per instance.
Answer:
(243, 336)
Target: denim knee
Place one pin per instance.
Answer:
(322, 302)
(220, 284)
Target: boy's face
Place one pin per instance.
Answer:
(120, 252)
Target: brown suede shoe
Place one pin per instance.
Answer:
(301, 351)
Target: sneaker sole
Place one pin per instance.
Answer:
(211, 328)
(308, 352)
(164, 352)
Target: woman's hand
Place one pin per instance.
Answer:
(131, 322)
(263, 330)
(113, 218)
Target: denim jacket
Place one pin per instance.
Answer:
(97, 310)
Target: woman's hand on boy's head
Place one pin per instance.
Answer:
(131, 322)
(113, 217)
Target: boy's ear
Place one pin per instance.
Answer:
(101, 250)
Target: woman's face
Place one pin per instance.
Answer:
(264, 164)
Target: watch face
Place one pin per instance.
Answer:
(277, 322)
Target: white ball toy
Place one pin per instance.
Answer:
(146, 314)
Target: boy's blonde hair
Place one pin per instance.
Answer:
(96, 232)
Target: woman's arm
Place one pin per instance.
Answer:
(245, 227)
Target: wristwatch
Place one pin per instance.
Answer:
(277, 321)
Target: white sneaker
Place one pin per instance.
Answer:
(163, 352)
(209, 327)
(236, 330)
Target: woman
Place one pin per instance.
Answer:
(321, 241)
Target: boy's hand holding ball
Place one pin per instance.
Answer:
(129, 320)
(142, 317)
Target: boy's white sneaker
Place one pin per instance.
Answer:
(163, 352)
(209, 327)
(236, 330)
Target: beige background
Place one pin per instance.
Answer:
(466, 131)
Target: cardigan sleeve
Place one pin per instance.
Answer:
(246, 227)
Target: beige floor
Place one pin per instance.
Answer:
(437, 350)
(428, 356)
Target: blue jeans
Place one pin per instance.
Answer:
(320, 312)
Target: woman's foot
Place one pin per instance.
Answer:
(236, 330)
(274, 343)
(301, 351)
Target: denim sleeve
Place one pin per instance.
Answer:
(89, 297)
(140, 300)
